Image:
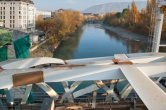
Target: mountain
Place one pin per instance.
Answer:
(114, 7)
(70, 9)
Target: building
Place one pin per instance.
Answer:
(57, 11)
(18, 14)
(1, 23)
(43, 14)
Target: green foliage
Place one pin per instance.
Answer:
(118, 15)
(5, 37)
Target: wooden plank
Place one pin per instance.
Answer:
(1, 68)
(60, 108)
(153, 96)
(28, 78)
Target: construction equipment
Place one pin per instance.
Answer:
(157, 17)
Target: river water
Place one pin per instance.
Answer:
(93, 41)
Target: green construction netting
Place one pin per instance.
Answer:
(21, 47)
(3, 57)
(3, 53)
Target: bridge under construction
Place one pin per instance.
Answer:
(145, 73)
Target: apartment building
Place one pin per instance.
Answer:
(42, 14)
(18, 14)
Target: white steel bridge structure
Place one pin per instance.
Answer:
(143, 71)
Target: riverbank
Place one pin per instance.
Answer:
(126, 34)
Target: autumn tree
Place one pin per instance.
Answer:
(134, 13)
(61, 25)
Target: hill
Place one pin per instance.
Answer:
(114, 7)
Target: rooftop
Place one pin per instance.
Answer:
(27, 1)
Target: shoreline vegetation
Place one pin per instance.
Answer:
(57, 30)
(134, 20)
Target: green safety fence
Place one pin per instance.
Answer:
(3, 57)
(3, 53)
(21, 47)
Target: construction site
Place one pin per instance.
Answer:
(86, 84)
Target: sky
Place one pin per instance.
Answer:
(79, 5)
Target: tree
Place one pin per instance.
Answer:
(134, 13)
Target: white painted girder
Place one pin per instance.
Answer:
(94, 100)
(30, 62)
(110, 91)
(9, 96)
(26, 94)
(152, 96)
(126, 91)
(83, 73)
(68, 91)
(48, 90)
(85, 90)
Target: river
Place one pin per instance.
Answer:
(91, 40)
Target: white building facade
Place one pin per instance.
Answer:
(43, 14)
(18, 14)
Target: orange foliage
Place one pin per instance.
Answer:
(62, 24)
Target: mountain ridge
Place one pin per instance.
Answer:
(114, 7)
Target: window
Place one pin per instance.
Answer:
(10, 12)
(13, 21)
(10, 21)
(3, 17)
(10, 17)
(4, 8)
(13, 17)
(13, 8)
(10, 8)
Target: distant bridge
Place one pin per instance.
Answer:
(94, 21)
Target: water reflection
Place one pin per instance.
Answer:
(131, 45)
(93, 41)
(70, 46)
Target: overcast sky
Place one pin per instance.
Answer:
(80, 5)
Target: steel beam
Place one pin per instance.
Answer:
(153, 96)
(68, 91)
(31, 62)
(110, 90)
(85, 90)
(158, 30)
(9, 96)
(126, 91)
(48, 90)
(94, 100)
(26, 94)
